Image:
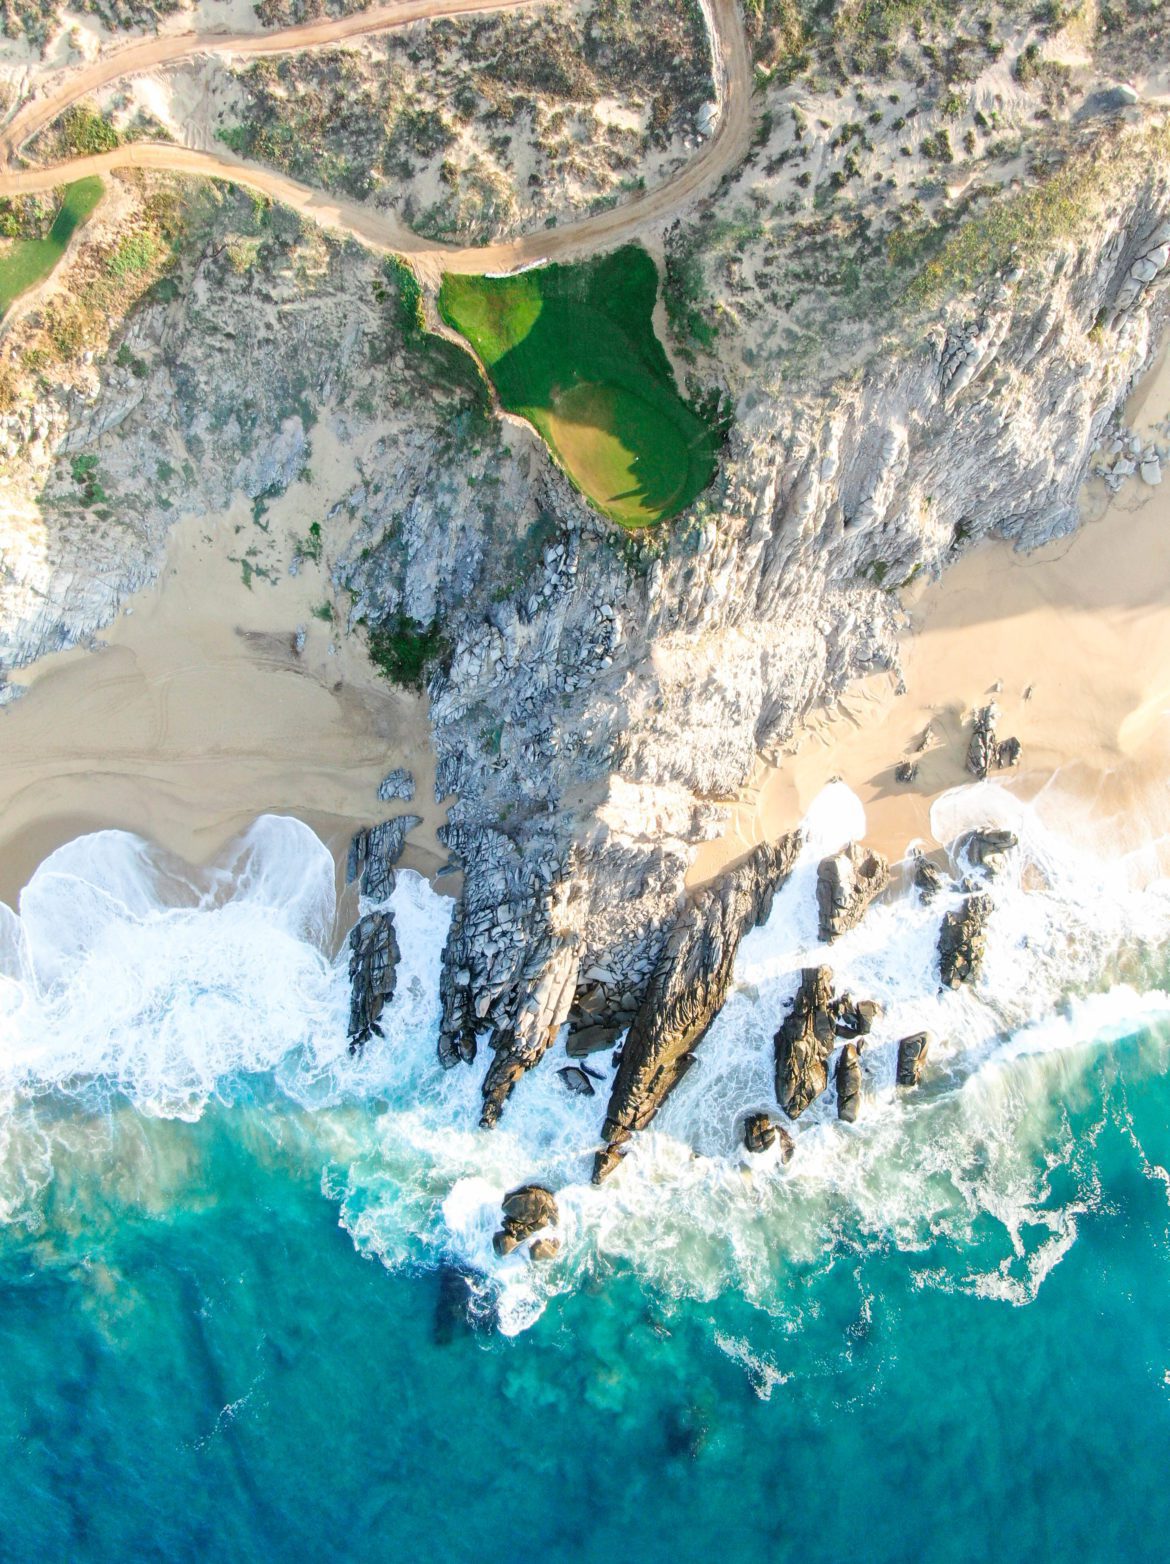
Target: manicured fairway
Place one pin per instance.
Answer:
(573, 350)
(30, 261)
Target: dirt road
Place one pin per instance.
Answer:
(723, 152)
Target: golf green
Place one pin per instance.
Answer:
(573, 350)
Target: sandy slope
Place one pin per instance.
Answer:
(724, 151)
(1078, 636)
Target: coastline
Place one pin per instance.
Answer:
(197, 713)
(1072, 643)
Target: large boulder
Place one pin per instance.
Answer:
(686, 991)
(962, 941)
(912, 1052)
(526, 1211)
(987, 849)
(848, 1081)
(985, 751)
(373, 974)
(854, 1018)
(805, 1042)
(846, 884)
(761, 1133)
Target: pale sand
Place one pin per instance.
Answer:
(198, 715)
(1084, 624)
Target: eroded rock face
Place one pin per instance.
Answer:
(846, 884)
(689, 985)
(526, 1211)
(962, 941)
(848, 1081)
(548, 986)
(805, 1042)
(373, 974)
(912, 1053)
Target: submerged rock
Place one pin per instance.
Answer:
(373, 974)
(962, 941)
(846, 884)
(848, 1081)
(805, 1042)
(526, 1211)
(687, 988)
(912, 1052)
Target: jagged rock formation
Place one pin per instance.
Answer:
(526, 1211)
(846, 884)
(373, 854)
(912, 1052)
(761, 1133)
(962, 941)
(398, 783)
(929, 879)
(985, 751)
(686, 991)
(548, 985)
(848, 1082)
(854, 1017)
(373, 974)
(987, 849)
(805, 1042)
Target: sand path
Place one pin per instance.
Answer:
(725, 150)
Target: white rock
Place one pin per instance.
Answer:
(1151, 471)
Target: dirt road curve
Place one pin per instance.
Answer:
(381, 230)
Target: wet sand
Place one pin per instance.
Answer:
(1072, 642)
(198, 714)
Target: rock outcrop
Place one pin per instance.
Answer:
(373, 974)
(373, 854)
(686, 991)
(526, 1211)
(986, 752)
(855, 1017)
(848, 1082)
(846, 884)
(987, 849)
(962, 941)
(761, 1133)
(548, 987)
(805, 1042)
(912, 1053)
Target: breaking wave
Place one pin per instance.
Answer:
(134, 989)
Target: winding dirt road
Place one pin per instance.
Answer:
(383, 231)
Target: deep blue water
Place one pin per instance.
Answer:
(198, 1364)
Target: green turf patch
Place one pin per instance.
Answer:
(30, 261)
(573, 350)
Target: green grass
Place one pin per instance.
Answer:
(30, 261)
(573, 350)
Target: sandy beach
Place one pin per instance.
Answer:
(1072, 642)
(198, 713)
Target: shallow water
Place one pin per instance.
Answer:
(235, 1319)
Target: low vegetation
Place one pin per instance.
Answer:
(573, 350)
(28, 261)
(403, 650)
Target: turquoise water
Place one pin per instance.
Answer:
(249, 1310)
(203, 1367)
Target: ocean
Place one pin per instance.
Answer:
(249, 1309)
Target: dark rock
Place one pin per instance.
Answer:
(962, 941)
(846, 884)
(526, 1211)
(848, 1080)
(576, 1081)
(590, 1040)
(988, 849)
(373, 973)
(907, 771)
(982, 750)
(804, 1043)
(759, 1132)
(452, 1305)
(929, 879)
(912, 1052)
(1007, 754)
(855, 1017)
(373, 854)
(686, 990)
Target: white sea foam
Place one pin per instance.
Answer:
(128, 974)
